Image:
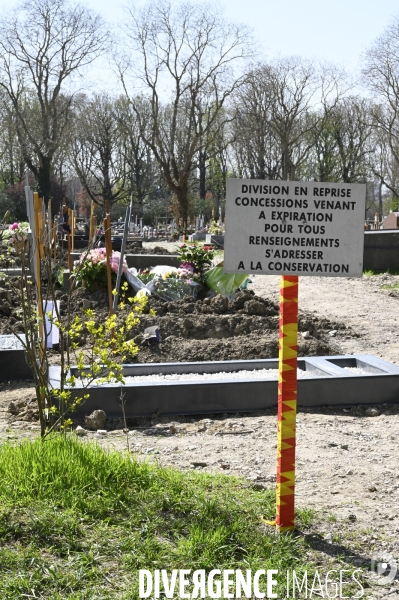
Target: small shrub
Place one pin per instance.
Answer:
(196, 256)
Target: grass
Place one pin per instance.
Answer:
(77, 523)
(373, 272)
(394, 286)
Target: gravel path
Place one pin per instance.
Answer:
(362, 304)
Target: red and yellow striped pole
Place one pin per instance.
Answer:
(287, 399)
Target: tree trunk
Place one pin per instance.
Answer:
(43, 178)
(182, 198)
(202, 175)
(380, 201)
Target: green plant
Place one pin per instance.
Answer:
(108, 346)
(196, 256)
(145, 276)
(215, 229)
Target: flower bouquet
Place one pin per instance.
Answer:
(91, 268)
(166, 282)
(17, 234)
(196, 257)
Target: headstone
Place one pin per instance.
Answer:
(13, 363)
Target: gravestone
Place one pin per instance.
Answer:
(13, 364)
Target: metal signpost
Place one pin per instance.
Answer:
(292, 228)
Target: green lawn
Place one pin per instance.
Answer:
(77, 523)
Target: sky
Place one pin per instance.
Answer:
(335, 31)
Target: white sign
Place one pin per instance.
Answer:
(294, 228)
(52, 331)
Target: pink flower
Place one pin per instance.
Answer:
(188, 266)
(14, 226)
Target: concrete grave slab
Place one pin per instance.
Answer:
(328, 383)
(13, 364)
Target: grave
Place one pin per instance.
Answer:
(216, 240)
(197, 237)
(13, 364)
(330, 381)
(144, 261)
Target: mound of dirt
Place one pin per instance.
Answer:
(198, 330)
(216, 329)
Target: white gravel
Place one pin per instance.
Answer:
(10, 342)
(357, 371)
(253, 375)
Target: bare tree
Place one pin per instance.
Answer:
(185, 57)
(11, 160)
(381, 73)
(281, 108)
(255, 147)
(344, 142)
(137, 155)
(96, 151)
(43, 44)
(352, 123)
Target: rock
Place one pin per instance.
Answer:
(344, 446)
(102, 432)
(80, 431)
(372, 412)
(85, 304)
(96, 420)
(219, 304)
(5, 295)
(305, 334)
(259, 486)
(225, 466)
(254, 307)
(5, 308)
(197, 463)
(13, 408)
(352, 518)
(328, 537)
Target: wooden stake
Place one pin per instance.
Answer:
(69, 254)
(72, 225)
(55, 238)
(37, 210)
(62, 221)
(92, 223)
(108, 250)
